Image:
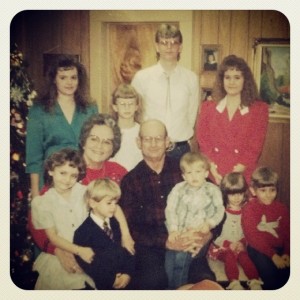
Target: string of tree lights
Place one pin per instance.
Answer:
(21, 244)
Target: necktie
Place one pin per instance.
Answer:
(168, 102)
(107, 230)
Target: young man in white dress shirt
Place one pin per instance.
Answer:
(169, 91)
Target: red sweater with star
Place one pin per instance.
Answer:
(266, 227)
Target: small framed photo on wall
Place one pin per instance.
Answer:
(210, 57)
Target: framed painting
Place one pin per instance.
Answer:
(210, 57)
(272, 74)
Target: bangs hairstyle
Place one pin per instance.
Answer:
(191, 158)
(127, 91)
(62, 157)
(249, 92)
(263, 177)
(233, 183)
(100, 188)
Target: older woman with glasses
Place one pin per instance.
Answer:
(100, 139)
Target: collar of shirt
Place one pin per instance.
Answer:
(222, 105)
(99, 221)
(163, 72)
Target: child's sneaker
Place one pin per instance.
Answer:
(235, 285)
(255, 284)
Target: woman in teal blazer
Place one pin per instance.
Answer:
(55, 120)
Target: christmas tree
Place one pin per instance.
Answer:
(21, 244)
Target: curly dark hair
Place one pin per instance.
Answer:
(100, 119)
(61, 157)
(66, 62)
(249, 93)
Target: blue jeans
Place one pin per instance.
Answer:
(177, 264)
(272, 277)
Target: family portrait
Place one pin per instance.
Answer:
(128, 172)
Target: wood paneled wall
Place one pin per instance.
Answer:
(235, 31)
(38, 32)
(51, 32)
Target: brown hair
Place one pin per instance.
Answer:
(66, 62)
(233, 183)
(61, 157)
(264, 176)
(249, 93)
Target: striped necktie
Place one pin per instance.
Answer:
(107, 230)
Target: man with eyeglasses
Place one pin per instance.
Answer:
(144, 197)
(169, 91)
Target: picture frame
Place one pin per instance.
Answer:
(50, 58)
(206, 95)
(211, 55)
(271, 69)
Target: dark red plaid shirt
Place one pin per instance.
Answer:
(144, 199)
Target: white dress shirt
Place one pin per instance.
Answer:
(183, 92)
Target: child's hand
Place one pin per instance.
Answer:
(278, 261)
(121, 281)
(239, 247)
(128, 243)
(86, 253)
(217, 176)
(173, 236)
(205, 228)
(240, 168)
(286, 259)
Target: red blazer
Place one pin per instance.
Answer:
(227, 142)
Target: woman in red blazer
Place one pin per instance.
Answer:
(232, 127)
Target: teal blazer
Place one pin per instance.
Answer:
(48, 132)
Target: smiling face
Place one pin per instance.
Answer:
(153, 141)
(266, 195)
(64, 177)
(66, 81)
(235, 200)
(233, 82)
(99, 146)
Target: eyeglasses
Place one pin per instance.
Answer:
(124, 104)
(94, 140)
(151, 139)
(169, 43)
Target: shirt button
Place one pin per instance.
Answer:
(73, 225)
(71, 210)
(216, 149)
(161, 196)
(236, 151)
